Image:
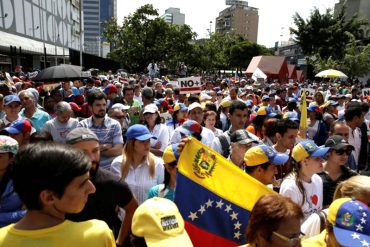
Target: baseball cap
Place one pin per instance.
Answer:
(337, 142)
(160, 223)
(180, 107)
(264, 111)
(351, 226)
(74, 107)
(139, 132)
(249, 88)
(190, 127)
(80, 134)
(8, 145)
(291, 115)
(265, 97)
(11, 98)
(19, 126)
(333, 103)
(241, 137)
(312, 108)
(262, 154)
(225, 103)
(194, 105)
(110, 89)
(120, 106)
(151, 108)
(306, 149)
(249, 103)
(204, 97)
(170, 154)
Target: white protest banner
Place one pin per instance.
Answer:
(190, 85)
(365, 92)
(173, 83)
(310, 92)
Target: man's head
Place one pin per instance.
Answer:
(238, 114)
(111, 91)
(260, 163)
(128, 94)
(286, 133)
(27, 99)
(339, 128)
(86, 140)
(97, 101)
(354, 115)
(195, 112)
(117, 114)
(52, 178)
(63, 111)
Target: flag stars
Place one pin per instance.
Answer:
(234, 216)
(364, 214)
(228, 208)
(219, 204)
(359, 228)
(202, 209)
(237, 225)
(209, 203)
(363, 221)
(361, 208)
(237, 235)
(363, 242)
(355, 236)
(193, 216)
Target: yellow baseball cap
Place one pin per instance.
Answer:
(306, 149)
(262, 154)
(170, 154)
(225, 103)
(160, 223)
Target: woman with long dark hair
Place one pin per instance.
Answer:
(178, 117)
(302, 184)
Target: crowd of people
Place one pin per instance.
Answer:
(93, 162)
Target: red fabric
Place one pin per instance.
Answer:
(202, 238)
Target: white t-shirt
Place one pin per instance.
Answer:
(314, 193)
(311, 226)
(207, 136)
(163, 136)
(139, 179)
(312, 130)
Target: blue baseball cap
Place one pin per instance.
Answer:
(19, 126)
(313, 108)
(291, 115)
(139, 132)
(306, 149)
(11, 98)
(180, 107)
(333, 103)
(351, 225)
(265, 97)
(249, 103)
(262, 154)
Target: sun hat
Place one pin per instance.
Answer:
(139, 132)
(351, 225)
(262, 154)
(8, 145)
(160, 223)
(80, 134)
(306, 149)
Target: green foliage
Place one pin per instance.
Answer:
(324, 34)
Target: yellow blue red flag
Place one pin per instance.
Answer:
(214, 196)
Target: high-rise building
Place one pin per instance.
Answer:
(95, 13)
(38, 34)
(238, 19)
(352, 7)
(173, 16)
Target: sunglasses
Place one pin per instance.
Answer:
(343, 151)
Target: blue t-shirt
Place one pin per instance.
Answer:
(154, 191)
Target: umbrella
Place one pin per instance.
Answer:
(331, 73)
(60, 73)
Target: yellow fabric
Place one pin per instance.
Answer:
(168, 155)
(303, 121)
(262, 111)
(211, 170)
(334, 207)
(255, 156)
(316, 241)
(92, 233)
(299, 152)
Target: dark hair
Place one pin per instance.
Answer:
(39, 167)
(365, 107)
(268, 212)
(353, 111)
(192, 99)
(41, 136)
(137, 241)
(95, 95)
(250, 169)
(335, 123)
(282, 125)
(125, 89)
(158, 119)
(292, 105)
(270, 127)
(237, 104)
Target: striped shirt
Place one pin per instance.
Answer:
(108, 133)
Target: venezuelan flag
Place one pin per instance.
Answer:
(214, 197)
(303, 121)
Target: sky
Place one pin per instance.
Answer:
(275, 16)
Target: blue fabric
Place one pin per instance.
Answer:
(10, 206)
(322, 134)
(38, 119)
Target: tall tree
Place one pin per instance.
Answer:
(324, 34)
